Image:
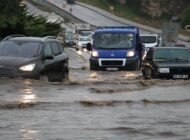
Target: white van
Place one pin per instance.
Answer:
(150, 40)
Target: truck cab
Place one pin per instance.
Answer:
(115, 48)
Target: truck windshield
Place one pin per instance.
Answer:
(113, 41)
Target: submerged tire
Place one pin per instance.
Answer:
(147, 73)
(55, 77)
(93, 67)
(135, 66)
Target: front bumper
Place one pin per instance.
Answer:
(120, 63)
(175, 73)
(15, 72)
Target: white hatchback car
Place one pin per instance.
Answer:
(82, 42)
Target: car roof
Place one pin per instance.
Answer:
(117, 29)
(35, 39)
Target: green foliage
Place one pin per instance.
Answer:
(186, 17)
(15, 20)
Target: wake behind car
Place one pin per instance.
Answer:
(167, 62)
(32, 57)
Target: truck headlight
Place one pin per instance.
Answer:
(29, 67)
(130, 53)
(95, 53)
(163, 70)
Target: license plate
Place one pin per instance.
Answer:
(112, 69)
(180, 76)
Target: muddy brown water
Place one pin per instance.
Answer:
(95, 106)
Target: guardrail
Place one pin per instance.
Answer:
(58, 11)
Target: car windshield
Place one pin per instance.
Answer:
(26, 49)
(84, 39)
(114, 41)
(172, 54)
(86, 33)
(148, 39)
(69, 38)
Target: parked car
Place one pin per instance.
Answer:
(82, 42)
(167, 62)
(32, 57)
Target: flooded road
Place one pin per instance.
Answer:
(93, 105)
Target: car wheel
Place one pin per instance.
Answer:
(147, 73)
(65, 71)
(55, 77)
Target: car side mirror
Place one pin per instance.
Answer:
(89, 46)
(139, 46)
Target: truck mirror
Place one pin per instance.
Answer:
(89, 46)
(140, 46)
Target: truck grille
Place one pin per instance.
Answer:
(112, 63)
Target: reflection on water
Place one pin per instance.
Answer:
(93, 75)
(28, 95)
(28, 98)
(28, 134)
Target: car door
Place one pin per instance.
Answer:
(58, 57)
(49, 58)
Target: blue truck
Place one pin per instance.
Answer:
(115, 48)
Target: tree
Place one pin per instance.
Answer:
(186, 17)
(15, 20)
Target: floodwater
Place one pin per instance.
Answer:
(103, 105)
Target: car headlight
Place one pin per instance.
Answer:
(163, 70)
(79, 44)
(130, 53)
(29, 67)
(95, 53)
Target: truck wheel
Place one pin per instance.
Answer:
(134, 66)
(92, 67)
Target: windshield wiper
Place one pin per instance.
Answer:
(162, 59)
(100, 47)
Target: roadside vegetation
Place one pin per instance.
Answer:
(130, 9)
(15, 20)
